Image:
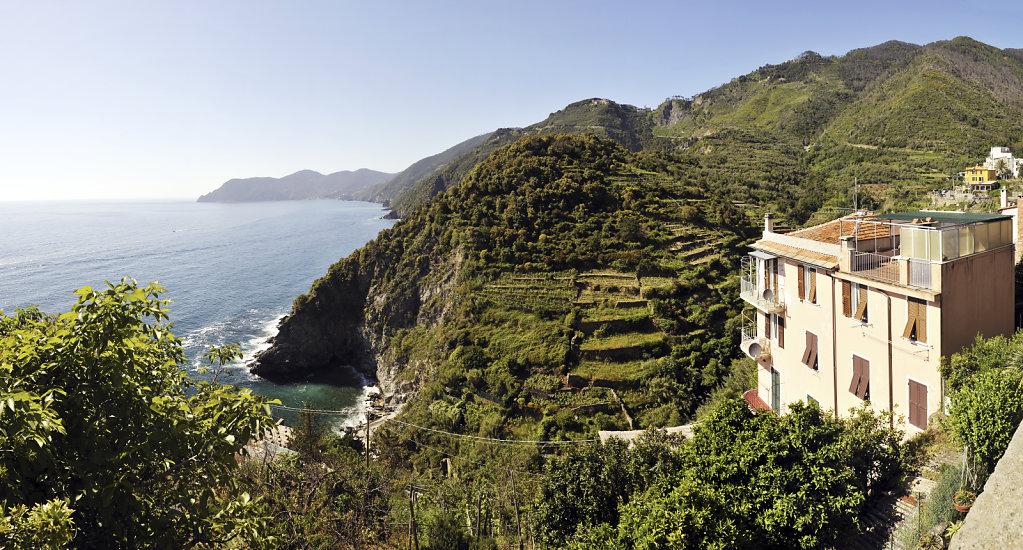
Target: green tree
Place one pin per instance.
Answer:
(447, 534)
(97, 411)
(985, 413)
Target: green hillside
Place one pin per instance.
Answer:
(627, 125)
(793, 137)
(564, 261)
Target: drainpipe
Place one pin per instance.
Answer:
(891, 389)
(834, 345)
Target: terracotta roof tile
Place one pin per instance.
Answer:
(818, 259)
(870, 227)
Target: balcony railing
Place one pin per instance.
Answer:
(754, 346)
(893, 269)
(766, 299)
(919, 273)
(877, 266)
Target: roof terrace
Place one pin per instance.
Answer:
(901, 247)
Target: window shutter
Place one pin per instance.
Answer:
(767, 326)
(861, 308)
(781, 331)
(855, 383)
(907, 332)
(800, 283)
(921, 326)
(813, 285)
(846, 299)
(774, 273)
(808, 350)
(813, 354)
(860, 384)
(918, 404)
(864, 379)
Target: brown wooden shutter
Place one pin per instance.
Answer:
(808, 349)
(781, 331)
(861, 308)
(921, 325)
(800, 285)
(918, 404)
(860, 384)
(812, 363)
(767, 326)
(846, 299)
(774, 271)
(907, 332)
(813, 286)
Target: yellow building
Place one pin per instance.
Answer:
(861, 309)
(980, 178)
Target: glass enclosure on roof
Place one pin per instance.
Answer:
(951, 238)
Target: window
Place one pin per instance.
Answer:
(918, 404)
(810, 352)
(860, 385)
(811, 401)
(807, 284)
(774, 328)
(916, 322)
(854, 301)
(775, 390)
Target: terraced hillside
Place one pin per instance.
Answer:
(559, 258)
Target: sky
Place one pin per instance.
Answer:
(144, 99)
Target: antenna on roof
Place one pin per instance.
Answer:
(856, 194)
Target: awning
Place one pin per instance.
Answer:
(762, 255)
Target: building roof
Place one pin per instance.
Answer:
(943, 217)
(831, 232)
(818, 259)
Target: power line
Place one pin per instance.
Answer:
(495, 440)
(478, 463)
(442, 432)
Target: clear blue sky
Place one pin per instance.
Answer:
(170, 99)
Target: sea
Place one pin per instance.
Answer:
(231, 270)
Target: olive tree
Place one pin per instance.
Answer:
(106, 439)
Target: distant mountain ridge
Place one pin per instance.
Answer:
(911, 112)
(302, 185)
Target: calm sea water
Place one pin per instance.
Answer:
(232, 270)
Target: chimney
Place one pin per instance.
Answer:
(1005, 197)
(769, 222)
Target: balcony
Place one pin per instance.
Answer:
(755, 347)
(754, 289)
(902, 248)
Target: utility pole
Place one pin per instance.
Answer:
(413, 536)
(515, 503)
(856, 194)
(479, 497)
(368, 417)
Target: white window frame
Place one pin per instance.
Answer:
(809, 273)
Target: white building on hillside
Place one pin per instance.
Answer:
(999, 154)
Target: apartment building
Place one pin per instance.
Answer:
(862, 308)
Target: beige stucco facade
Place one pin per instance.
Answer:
(890, 357)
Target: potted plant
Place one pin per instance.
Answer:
(930, 541)
(963, 499)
